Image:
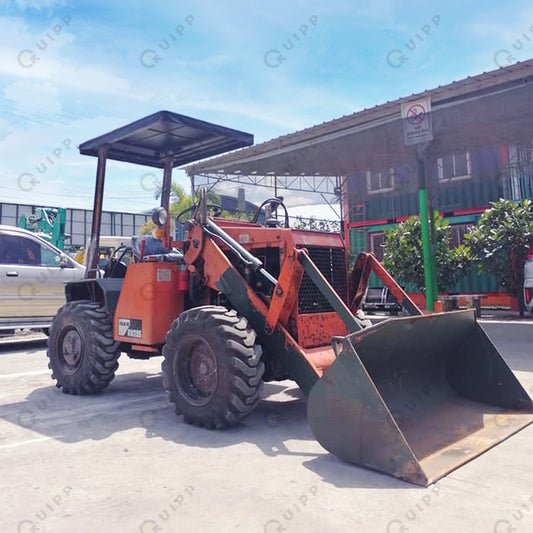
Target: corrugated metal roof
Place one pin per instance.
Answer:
(269, 156)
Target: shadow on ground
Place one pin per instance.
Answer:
(17, 346)
(278, 427)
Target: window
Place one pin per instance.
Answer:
(49, 257)
(105, 228)
(454, 166)
(15, 250)
(377, 240)
(456, 233)
(127, 224)
(379, 180)
(9, 215)
(18, 251)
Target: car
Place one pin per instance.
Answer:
(33, 273)
(528, 280)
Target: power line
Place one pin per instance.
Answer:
(14, 107)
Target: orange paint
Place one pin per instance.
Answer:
(150, 301)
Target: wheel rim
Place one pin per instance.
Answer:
(71, 350)
(197, 370)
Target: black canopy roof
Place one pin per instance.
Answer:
(164, 134)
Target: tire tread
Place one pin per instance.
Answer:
(244, 359)
(102, 351)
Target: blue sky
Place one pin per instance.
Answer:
(93, 73)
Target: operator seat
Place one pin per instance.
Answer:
(154, 250)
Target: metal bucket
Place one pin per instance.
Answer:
(417, 397)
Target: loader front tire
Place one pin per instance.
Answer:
(82, 353)
(212, 368)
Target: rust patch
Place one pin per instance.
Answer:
(317, 329)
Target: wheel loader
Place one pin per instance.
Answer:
(237, 303)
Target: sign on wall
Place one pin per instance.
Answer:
(416, 118)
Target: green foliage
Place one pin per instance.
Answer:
(180, 200)
(500, 241)
(313, 224)
(404, 260)
(147, 228)
(235, 215)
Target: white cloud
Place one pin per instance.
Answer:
(65, 178)
(317, 211)
(497, 32)
(48, 56)
(505, 30)
(67, 76)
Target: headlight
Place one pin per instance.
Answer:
(159, 216)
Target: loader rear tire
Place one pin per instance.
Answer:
(82, 353)
(212, 368)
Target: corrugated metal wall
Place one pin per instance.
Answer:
(484, 186)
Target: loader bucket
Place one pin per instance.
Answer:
(417, 397)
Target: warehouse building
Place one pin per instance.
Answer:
(480, 149)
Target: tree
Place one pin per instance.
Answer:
(313, 224)
(403, 257)
(180, 201)
(147, 228)
(500, 241)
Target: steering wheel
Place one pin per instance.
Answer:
(275, 201)
(215, 207)
(117, 267)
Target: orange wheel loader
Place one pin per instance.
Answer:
(238, 303)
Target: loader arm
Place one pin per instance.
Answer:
(220, 275)
(365, 264)
(269, 321)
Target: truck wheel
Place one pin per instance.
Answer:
(212, 368)
(82, 352)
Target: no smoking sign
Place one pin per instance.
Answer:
(416, 114)
(417, 121)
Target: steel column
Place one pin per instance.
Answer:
(94, 247)
(429, 259)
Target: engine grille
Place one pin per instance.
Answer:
(332, 264)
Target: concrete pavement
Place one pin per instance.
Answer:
(123, 462)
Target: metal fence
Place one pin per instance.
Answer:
(78, 223)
